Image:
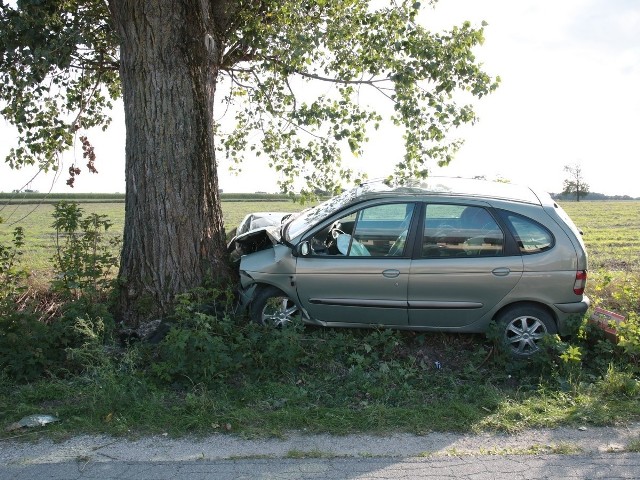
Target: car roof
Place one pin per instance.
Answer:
(455, 186)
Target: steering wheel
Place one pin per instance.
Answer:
(334, 233)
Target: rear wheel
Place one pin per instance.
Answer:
(273, 307)
(523, 328)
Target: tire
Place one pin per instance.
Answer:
(274, 308)
(523, 328)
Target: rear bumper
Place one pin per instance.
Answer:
(568, 310)
(574, 307)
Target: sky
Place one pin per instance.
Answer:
(570, 94)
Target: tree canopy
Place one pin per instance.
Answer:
(58, 75)
(59, 66)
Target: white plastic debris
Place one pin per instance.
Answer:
(37, 420)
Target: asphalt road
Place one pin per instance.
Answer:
(570, 453)
(600, 466)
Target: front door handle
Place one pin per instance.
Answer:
(391, 273)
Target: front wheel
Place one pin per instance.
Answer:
(523, 329)
(273, 307)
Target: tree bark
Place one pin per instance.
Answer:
(173, 234)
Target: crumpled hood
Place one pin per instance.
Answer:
(258, 220)
(257, 231)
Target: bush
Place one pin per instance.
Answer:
(31, 347)
(82, 262)
(206, 343)
(26, 351)
(24, 341)
(629, 338)
(12, 277)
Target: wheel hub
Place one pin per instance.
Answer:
(523, 334)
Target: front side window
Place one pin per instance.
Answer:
(376, 231)
(303, 221)
(530, 236)
(460, 231)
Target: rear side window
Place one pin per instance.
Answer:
(460, 231)
(530, 236)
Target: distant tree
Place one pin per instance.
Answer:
(574, 184)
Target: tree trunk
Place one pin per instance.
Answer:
(173, 234)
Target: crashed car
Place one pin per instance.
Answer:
(451, 255)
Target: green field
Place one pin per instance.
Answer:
(36, 220)
(611, 233)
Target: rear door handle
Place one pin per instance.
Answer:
(391, 273)
(501, 271)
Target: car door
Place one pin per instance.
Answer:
(461, 269)
(358, 269)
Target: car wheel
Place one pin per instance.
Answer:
(524, 327)
(273, 307)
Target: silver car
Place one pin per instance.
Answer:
(449, 255)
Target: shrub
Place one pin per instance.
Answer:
(629, 337)
(24, 341)
(82, 261)
(31, 347)
(207, 343)
(26, 347)
(12, 277)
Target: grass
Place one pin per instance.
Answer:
(340, 398)
(634, 446)
(303, 454)
(610, 232)
(337, 386)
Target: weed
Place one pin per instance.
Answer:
(629, 337)
(565, 448)
(616, 383)
(250, 457)
(536, 449)
(82, 261)
(12, 277)
(302, 454)
(633, 446)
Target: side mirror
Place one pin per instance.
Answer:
(302, 249)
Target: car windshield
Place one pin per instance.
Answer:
(306, 219)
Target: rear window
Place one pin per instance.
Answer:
(530, 236)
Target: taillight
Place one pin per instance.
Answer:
(580, 283)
